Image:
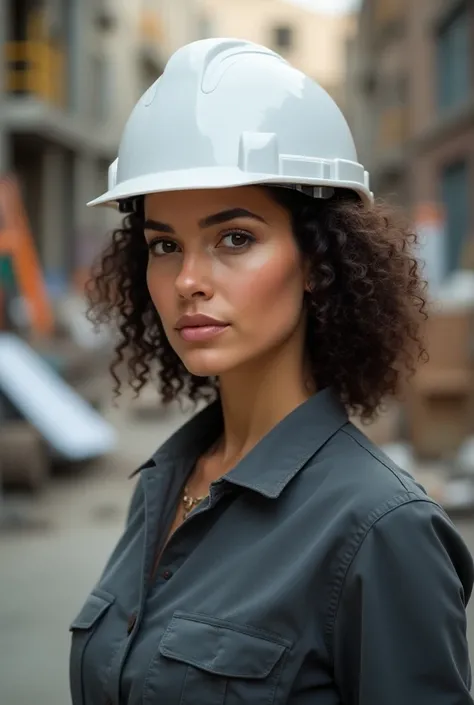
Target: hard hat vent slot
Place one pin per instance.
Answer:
(221, 62)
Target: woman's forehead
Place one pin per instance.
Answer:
(200, 204)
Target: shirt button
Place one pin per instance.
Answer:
(167, 574)
(131, 623)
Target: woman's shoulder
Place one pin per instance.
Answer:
(367, 500)
(374, 465)
(354, 475)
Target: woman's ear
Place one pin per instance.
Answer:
(309, 285)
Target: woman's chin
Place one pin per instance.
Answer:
(207, 363)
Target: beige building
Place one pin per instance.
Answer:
(180, 22)
(314, 43)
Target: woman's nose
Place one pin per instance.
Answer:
(194, 279)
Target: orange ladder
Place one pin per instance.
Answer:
(16, 241)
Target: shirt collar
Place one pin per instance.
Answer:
(282, 453)
(190, 440)
(278, 457)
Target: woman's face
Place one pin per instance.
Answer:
(225, 275)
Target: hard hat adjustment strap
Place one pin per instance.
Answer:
(308, 190)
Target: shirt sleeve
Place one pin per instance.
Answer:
(400, 628)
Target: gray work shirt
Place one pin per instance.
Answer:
(317, 573)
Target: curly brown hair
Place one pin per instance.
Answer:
(365, 308)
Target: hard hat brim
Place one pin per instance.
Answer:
(212, 178)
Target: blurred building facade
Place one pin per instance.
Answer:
(313, 42)
(410, 101)
(70, 72)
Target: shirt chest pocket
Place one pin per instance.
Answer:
(206, 660)
(83, 628)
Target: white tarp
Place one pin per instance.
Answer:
(71, 313)
(67, 423)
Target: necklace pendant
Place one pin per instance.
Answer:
(188, 503)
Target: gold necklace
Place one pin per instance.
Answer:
(190, 502)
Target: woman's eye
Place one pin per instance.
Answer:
(236, 240)
(158, 248)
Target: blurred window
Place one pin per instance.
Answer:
(453, 58)
(393, 90)
(455, 195)
(105, 16)
(283, 37)
(101, 87)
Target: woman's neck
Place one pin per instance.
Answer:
(256, 399)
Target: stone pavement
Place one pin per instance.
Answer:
(46, 574)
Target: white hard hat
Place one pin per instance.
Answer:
(228, 112)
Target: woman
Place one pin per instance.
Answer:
(272, 554)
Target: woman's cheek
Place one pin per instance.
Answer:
(268, 279)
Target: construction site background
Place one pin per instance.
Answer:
(70, 72)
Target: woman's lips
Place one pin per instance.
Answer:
(200, 333)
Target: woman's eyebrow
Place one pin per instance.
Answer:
(208, 221)
(151, 224)
(230, 214)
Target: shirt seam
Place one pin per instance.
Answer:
(377, 458)
(241, 628)
(353, 548)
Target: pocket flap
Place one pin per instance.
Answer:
(221, 647)
(94, 607)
